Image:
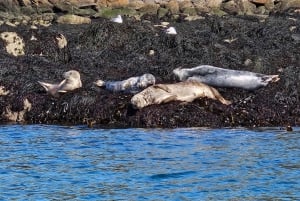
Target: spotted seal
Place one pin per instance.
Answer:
(186, 91)
(130, 85)
(220, 77)
(71, 82)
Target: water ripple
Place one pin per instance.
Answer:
(39, 162)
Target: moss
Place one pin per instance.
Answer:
(218, 12)
(108, 12)
(162, 12)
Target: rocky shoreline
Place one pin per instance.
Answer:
(110, 51)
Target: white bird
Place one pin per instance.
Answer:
(171, 30)
(117, 19)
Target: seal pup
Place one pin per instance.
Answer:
(220, 77)
(117, 19)
(171, 31)
(71, 82)
(186, 91)
(130, 85)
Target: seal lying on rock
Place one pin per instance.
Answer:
(186, 91)
(220, 77)
(130, 85)
(71, 82)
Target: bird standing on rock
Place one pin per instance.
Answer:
(117, 19)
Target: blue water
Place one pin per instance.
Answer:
(73, 163)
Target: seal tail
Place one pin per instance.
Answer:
(219, 97)
(52, 89)
(47, 86)
(271, 78)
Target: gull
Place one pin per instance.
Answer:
(117, 19)
(171, 31)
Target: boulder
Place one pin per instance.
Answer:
(206, 5)
(173, 6)
(117, 3)
(136, 4)
(150, 9)
(286, 4)
(73, 19)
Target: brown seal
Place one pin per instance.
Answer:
(186, 91)
(71, 82)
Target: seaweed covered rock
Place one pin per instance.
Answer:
(111, 51)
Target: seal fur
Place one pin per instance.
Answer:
(71, 82)
(220, 77)
(186, 91)
(130, 85)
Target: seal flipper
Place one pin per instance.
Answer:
(50, 88)
(162, 87)
(270, 78)
(166, 99)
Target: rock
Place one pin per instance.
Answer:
(117, 3)
(136, 4)
(186, 7)
(206, 5)
(231, 7)
(192, 18)
(286, 4)
(239, 7)
(173, 6)
(73, 19)
(10, 6)
(14, 43)
(259, 1)
(150, 9)
(162, 12)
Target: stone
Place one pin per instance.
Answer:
(14, 43)
(259, 1)
(136, 4)
(73, 19)
(150, 9)
(162, 12)
(231, 7)
(173, 6)
(206, 5)
(117, 3)
(286, 4)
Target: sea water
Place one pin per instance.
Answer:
(39, 162)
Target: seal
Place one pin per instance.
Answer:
(130, 85)
(71, 82)
(220, 77)
(186, 91)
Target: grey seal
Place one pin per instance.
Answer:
(220, 77)
(130, 85)
(71, 82)
(186, 91)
